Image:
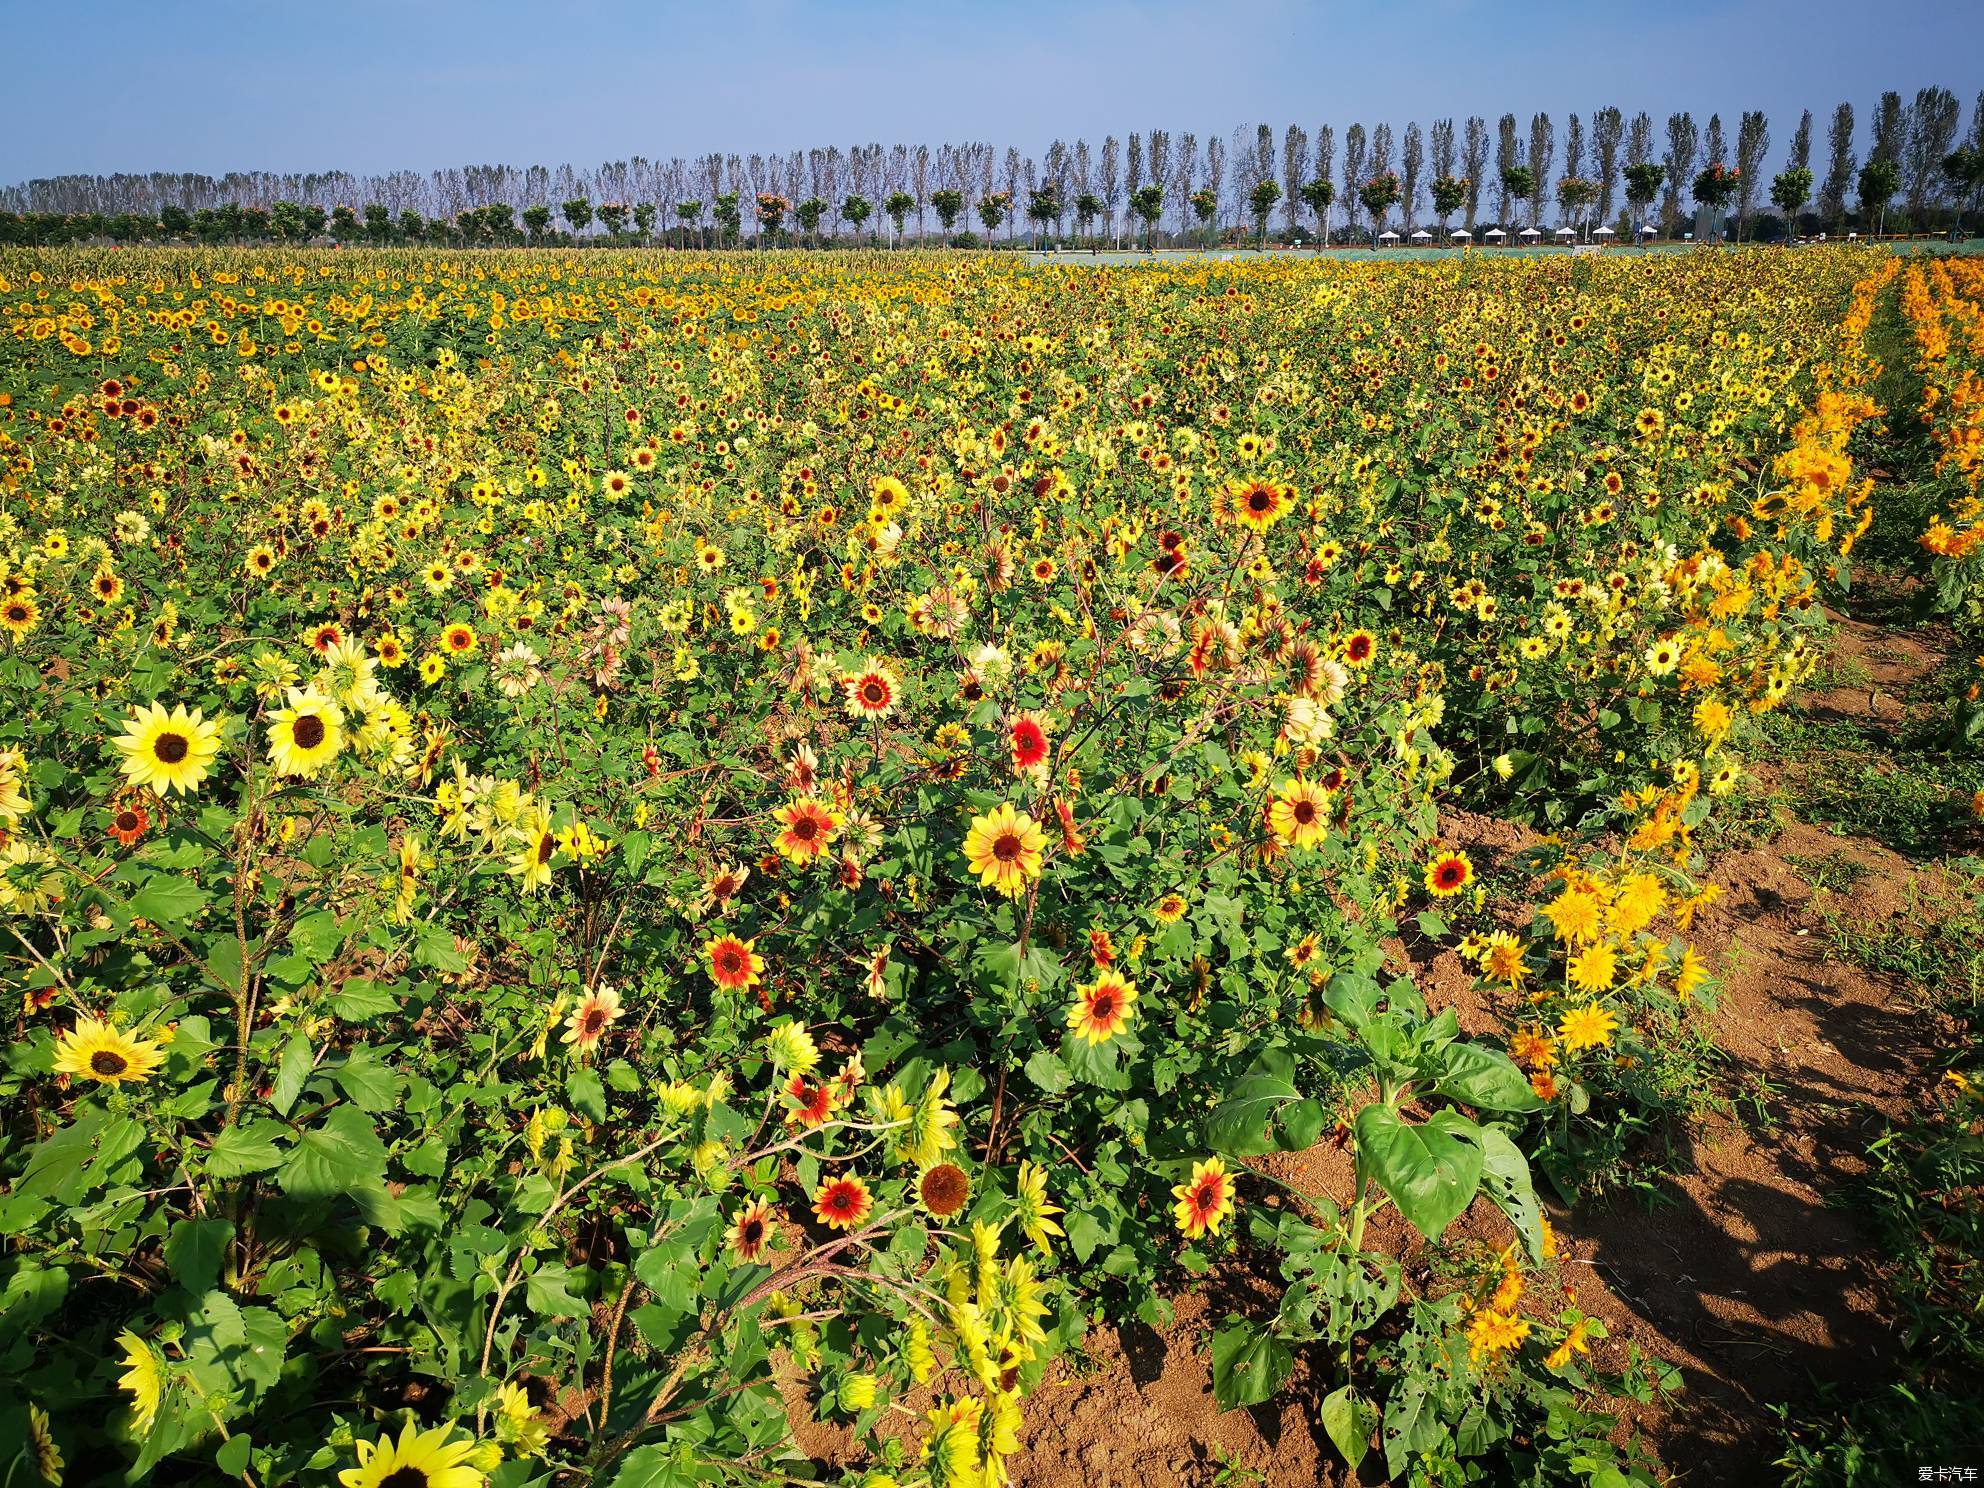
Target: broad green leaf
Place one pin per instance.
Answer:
(167, 900)
(231, 1457)
(434, 947)
(1505, 1177)
(298, 1061)
(547, 1293)
(1264, 1112)
(194, 1250)
(1431, 1170)
(1484, 1078)
(342, 1156)
(81, 1157)
(1349, 1420)
(238, 1150)
(1249, 1364)
(1047, 1071)
(372, 1084)
(318, 935)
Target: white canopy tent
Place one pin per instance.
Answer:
(1388, 236)
(1567, 232)
(1603, 232)
(1529, 232)
(1422, 236)
(1494, 232)
(1461, 235)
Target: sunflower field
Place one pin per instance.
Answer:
(606, 855)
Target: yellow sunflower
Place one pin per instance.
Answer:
(19, 615)
(1299, 813)
(307, 735)
(144, 1377)
(1004, 849)
(95, 1050)
(419, 1459)
(168, 751)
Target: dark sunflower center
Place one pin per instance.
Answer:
(875, 694)
(752, 1233)
(17, 613)
(1007, 848)
(545, 848)
(1260, 501)
(805, 829)
(1305, 812)
(308, 731)
(170, 749)
(405, 1477)
(127, 821)
(595, 1022)
(1105, 1006)
(729, 962)
(107, 1062)
(944, 1190)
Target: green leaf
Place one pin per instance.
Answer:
(1086, 1233)
(238, 1150)
(1352, 998)
(434, 947)
(1430, 1170)
(1264, 1112)
(1047, 1071)
(298, 1061)
(1249, 1364)
(372, 1083)
(587, 1092)
(547, 1293)
(657, 1467)
(1484, 1078)
(81, 1157)
(231, 1457)
(166, 899)
(360, 1001)
(194, 1250)
(343, 1156)
(318, 935)
(1349, 1420)
(1506, 1178)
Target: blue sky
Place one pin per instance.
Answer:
(374, 85)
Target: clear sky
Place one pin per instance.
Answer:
(376, 85)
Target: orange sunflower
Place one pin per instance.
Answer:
(872, 691)
(1101, 1010)
(751, 1231)
(1206, 1201)
(842, 1203)
(734, 963)
(1448, 874)
(806, 825)
(1258, 505)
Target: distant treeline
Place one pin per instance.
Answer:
(1919, 171)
